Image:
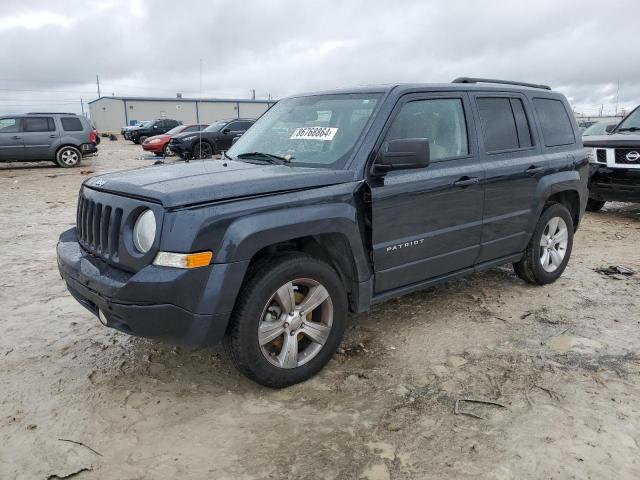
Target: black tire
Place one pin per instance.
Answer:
(202, 150)
(166, 151)
(530, 268)
(142, 139)
(241, 341)
(594, 205)
(68, 157)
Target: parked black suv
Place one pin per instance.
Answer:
(162, 125)
(214, 139)
(331, 202)
(615, 164)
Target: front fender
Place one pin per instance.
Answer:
(247, 235)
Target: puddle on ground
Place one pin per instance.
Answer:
(566, 343)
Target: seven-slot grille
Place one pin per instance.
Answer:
(621, 155)
(98, 228)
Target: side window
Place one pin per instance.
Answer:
(39, 124)
(71, 124)
(244, 126)
(191, 128)
(440, 120)
(498, 124)
(554, 120)
(522, 124)
(9, 125)
(235, 126)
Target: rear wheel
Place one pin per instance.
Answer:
(202, 150)
(594, 205)
(549, 250)
(166, 151)
(288, 322)
(68, 157)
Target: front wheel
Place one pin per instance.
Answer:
(288, 322)
(202, 150)
(594, 205)
(549, 250)
(68, 157)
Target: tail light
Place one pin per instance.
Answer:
(92, 136)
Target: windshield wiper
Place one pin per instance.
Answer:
(268, 157)
(628, 129)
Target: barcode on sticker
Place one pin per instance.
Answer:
(314, 133)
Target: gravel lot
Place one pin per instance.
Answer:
(562, 359)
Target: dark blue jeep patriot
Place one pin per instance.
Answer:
(329, 203)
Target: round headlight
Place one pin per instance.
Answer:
(144, 231)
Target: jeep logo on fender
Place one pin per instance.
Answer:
(632, 156)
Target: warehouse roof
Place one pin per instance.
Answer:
(185, 99)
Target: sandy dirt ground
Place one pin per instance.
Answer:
(562, 360)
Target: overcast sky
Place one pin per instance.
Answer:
(52, 50)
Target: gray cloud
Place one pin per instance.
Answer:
(53, 49)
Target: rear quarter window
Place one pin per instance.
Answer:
(556, 125)
(71, 124)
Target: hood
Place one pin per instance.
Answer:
(631, 139)
(199, 181)
(189, 134)
(162, 136)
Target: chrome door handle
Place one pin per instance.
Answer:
(532, 170)
(53, 136)
(16, 137)
(466, 181)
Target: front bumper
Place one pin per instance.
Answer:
(614, 184)
(180, 306)
(179, 148)
(154, 147)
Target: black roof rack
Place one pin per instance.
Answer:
(504, 82)
(50, 113)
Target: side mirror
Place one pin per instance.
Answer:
(609, 128)
(225, 131)
(235, 139)
(402, 154)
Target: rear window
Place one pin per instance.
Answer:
(554, 121)
(39, 124)
(71, 124)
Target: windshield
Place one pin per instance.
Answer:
(215, 127)
(315, 131)
(146, 123)
(596, 129)
(175, 130)
(632, 122)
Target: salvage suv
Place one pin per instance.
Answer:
(329, 203)
(63, 138)
(615, 164)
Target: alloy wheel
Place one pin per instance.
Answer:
(295, 323)
(553, 244)
(69, 157)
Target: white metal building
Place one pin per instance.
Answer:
(111, 113)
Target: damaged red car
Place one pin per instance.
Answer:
(159, 144)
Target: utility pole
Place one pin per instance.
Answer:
(617, 96)
(253, 94)
(82, 106)
(98, 83)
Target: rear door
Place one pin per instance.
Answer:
(514, 163)
(40, 134)
(11, 144)
(427, 222)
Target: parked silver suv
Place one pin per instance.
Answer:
(59, 137)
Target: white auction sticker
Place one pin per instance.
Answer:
(314, 133)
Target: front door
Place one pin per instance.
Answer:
(427, 222)
(40, 135)
(11, 144)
